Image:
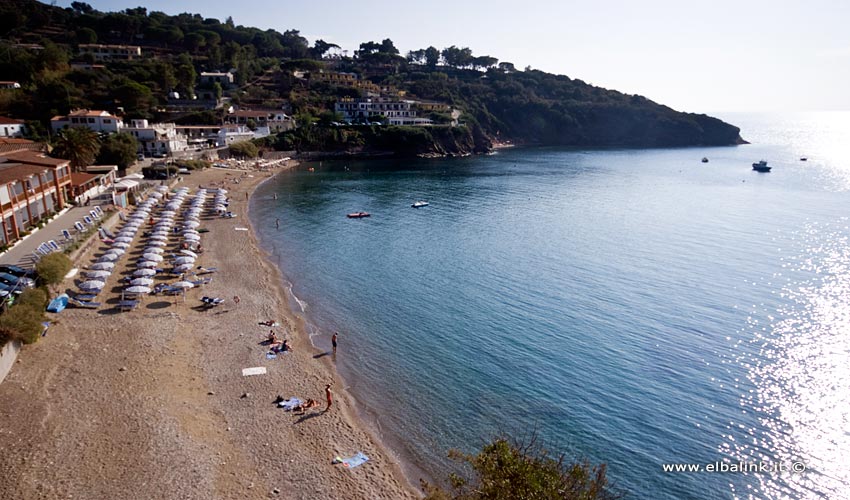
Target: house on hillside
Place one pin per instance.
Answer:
(102, 52)
(397, 111)
(157, 138)
(99, 121)
(9, 127)
(275, 119)
(32, 186)
(224, 79)
(6, 84)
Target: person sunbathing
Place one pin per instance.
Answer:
(303, 407)
(270, 322)
(272, 338)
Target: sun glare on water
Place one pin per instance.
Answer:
(799, 366)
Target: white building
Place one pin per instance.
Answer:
(275, 119)
(99, 121)
(399, 112)
(111, 52)
(9, 127)
(224, 79)
(157, 138)
(9, 85)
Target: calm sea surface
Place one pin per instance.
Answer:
(636, 307)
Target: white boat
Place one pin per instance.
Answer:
(419, 204)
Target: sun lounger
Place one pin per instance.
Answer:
(83, 304)
(204, 281)
(88, 220)
(98, 210)
(85, 297)
(128, 305)
(108, 233)
(205, 270)
(212, 301)
(94, 215)
(66, 235)
(54, 246)
(79, 227)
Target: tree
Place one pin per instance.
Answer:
(484, 62)
(432, 57)
(506, 469)
(119, 149)
(194, 41)
(80, 145)
(320, 47)
(507, 67)
(244, 149)
(86, 35)
(135, 97)
(53, 267)
(186, 75)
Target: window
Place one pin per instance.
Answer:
(107, 121)
(91, 120)
(75, 120)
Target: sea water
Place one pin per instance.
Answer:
(634, 307)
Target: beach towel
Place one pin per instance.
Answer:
(46, 325)
(271, 355)
(356, 460)
(289, 404)
(258, 370)
(241, 228)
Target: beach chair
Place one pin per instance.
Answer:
(43, 249)
(99, 211)
(211, 302)
(85, 297)
(94, 215)
(79, 227)
(66, 235)
(88, 220)
(83, 304)
(35, 257)
(204, 281)
(103, 237)
(128, 305)
(108, 233)
(205, 270)
(54, 246)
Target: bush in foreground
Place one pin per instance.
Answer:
(506, 469)
(22, 322)
(52, 268)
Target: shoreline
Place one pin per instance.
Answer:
(151, 403)
(366, 414)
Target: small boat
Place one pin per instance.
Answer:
(761, 166)
(419, 204)
(58, 304)
(704, 159)
(358, 215)
(803, 158)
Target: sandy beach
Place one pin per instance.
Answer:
(152, 403)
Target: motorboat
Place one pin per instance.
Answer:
(419, 204)
(704, 159)
(761, 166)
(803, 158)
(58, 304)
(358, 215)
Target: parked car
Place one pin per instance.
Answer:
(18, 271)
(14, 281)
(5, 290)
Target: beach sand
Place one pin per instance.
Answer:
(152, 403)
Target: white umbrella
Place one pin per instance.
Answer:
(91, 285)
(183, 284)
(182, 268)
(155, 250)
(146, 264)
(192, 237)
(102, 266)
(138, 289)
(152, 256)
(109, 257)
(184, 260)
(156, 195)
(192, 224)
(144, 272)
(142, 282)
(189, 253)
(190, 231)
(123, 239)
(115, 251)
(98, 274)
(159, 243)
(158, 237)
(120, 245)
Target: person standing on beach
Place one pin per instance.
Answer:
(333, 342)
(329, 396)
(277, 222)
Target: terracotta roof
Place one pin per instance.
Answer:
(9, 145)
(81, 179)
(34, 158)
(11, 172)
(9, 121)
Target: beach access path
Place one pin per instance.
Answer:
(152, 403)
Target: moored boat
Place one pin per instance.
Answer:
(704, 159)
(761, 166)
(58, 304)
(358, 215)
(419, 204)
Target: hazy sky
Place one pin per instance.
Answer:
(707, 56)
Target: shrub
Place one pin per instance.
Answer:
(52, 268)
(36, 298)
(506, 469)
(244, 149)
(22, 322)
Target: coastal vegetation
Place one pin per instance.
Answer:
(495, 101)
(22, 321)
(52, 268)
(506, 469)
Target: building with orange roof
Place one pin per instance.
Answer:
(10, 127)
(32, 186)
(97, 120)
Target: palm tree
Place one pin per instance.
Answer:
(80, 145)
